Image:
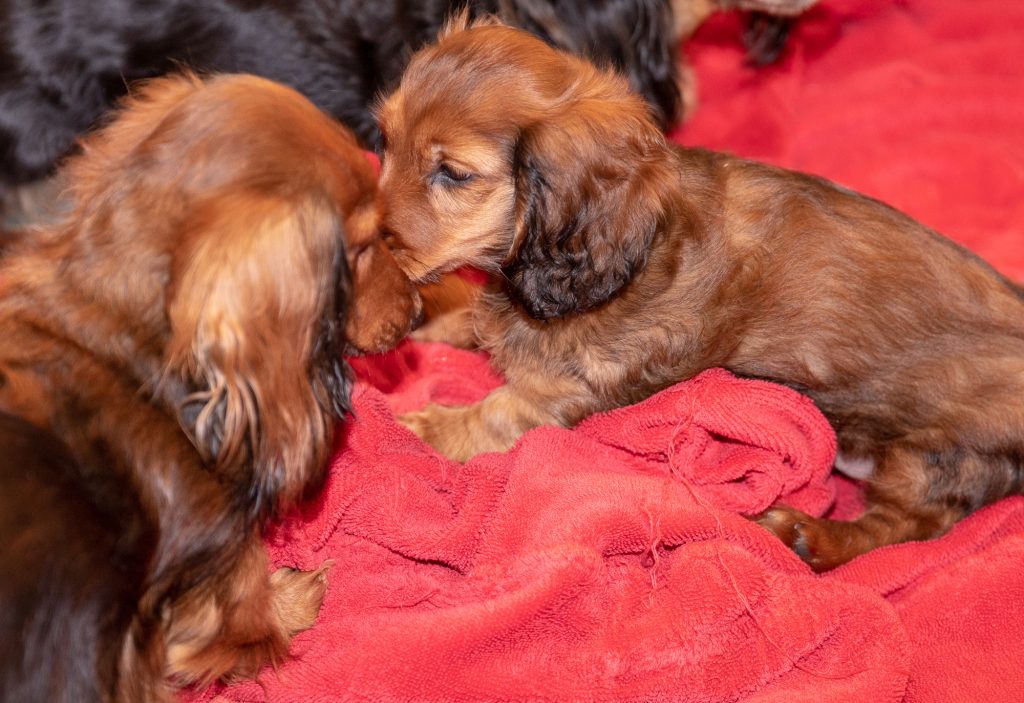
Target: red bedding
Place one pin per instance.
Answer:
(613, 562)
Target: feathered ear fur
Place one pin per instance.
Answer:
(591, 178)
(257, 317)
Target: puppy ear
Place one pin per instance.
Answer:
(591, 180)
(256, 308)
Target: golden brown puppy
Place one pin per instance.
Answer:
(181, 333)
(625, 264)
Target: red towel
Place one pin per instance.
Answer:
(613, 562)
(605, 563)
(919, 103)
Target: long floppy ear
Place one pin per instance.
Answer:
(591, 179)
(256, 306)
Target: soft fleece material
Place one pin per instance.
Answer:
(613, 562)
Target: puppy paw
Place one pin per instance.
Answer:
(449, 430)
(434, 425)
(419, 421)
(207, 642)
(296, 599)
(298, 596)
(822, 544)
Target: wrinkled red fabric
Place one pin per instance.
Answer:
(915, 102)
(614, 562)
(610, 562)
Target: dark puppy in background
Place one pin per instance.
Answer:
(64, 62)
(624, 264)
(171, 378)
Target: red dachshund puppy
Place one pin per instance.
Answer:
(625, 264)
(176, 344)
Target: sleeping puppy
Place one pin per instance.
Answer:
(171, 379)
(624, 264)
(64, 62)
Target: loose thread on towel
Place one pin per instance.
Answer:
(655, 557)
(685, 424)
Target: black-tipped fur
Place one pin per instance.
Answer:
(576, 247)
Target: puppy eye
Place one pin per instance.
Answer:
(446, 174)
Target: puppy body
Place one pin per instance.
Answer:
(86, 561)
(181, 332)
(626, 264)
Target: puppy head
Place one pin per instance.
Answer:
(507, 155)
(252, 217)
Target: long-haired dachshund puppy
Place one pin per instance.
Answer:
(64, 62)
(177, 340)
(625, 264)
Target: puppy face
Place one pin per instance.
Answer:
(507, 155)
(446, 173)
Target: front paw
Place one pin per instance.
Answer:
(419, 421)
(822, 544)
(449, 430)
(298, 596)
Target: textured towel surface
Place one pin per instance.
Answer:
(614, 562)
(606, 563)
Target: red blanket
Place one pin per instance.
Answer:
(613, 562)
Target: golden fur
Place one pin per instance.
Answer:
(181, 331)
(624, 264)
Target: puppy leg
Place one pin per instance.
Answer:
(915, 494)
(495, 423)
(246, 620)
(298, 595)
